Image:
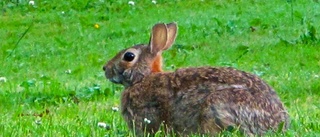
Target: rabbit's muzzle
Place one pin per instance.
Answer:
(113, 74)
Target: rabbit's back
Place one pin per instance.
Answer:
(205, 100)
(220, 98)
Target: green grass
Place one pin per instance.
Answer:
(56, 64)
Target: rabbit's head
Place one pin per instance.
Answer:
(132, 64)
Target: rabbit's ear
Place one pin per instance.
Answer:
(172, 34)
(158, 38)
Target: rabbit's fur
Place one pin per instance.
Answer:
(190, 100)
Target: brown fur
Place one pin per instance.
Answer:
(191, 100)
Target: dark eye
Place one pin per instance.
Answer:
(129, 56)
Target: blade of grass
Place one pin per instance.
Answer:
(22, 36)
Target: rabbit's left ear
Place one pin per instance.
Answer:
(158, 40)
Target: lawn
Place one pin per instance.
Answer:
(52, 53)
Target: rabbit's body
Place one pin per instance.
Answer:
(203, 100)
(190, 100)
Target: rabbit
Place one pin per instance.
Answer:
(194, 100)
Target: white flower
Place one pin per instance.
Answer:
(131, 3)
(68, 71)
(316, 76)
(38, 122)
(147, 121)
(31, 2)
(115, 109)
(62, 12)
(103, 125)
(3, 79)
(154, 1)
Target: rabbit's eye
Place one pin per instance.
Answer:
(129, 56)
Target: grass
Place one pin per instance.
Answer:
(52, 55)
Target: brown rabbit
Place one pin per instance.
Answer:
(203, 100)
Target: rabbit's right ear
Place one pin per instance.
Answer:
(172, 34)
(158, 38)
